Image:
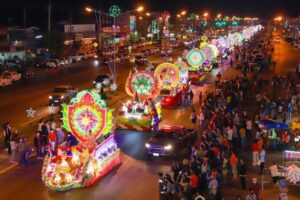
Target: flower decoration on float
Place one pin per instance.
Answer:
(168, 74)
(195, 58)
(142, 83)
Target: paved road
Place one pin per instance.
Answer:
(136, 178)
(16, 99)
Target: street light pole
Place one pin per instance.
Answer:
(114, 12)
(114, 44)
(49, 16)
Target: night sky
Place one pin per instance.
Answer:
(36, 10)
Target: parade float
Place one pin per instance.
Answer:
(195, 59)
(168, 75)
(291, 169)
(81, 164)
(210, 53)
(142, 111)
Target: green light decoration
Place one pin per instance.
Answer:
(192, 16)
(114, 11)
(142, 84)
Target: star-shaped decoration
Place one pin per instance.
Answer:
(113, 87)
(51, 109)
(86, 121)
(106, 82)
(98, 86)
(30, 112)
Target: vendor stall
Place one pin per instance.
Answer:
(93, 154)
(142, 112)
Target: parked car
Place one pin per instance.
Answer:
(62, 94)
(5, 80)
(140, 61)
(52, 64)
(170, 140)
(28, 73)
(14, 76)
(107, 60)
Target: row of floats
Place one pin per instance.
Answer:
(90, 121)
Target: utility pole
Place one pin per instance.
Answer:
(49, 16)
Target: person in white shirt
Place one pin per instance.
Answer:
(229, 134)
(262, 159)
(248, 127)
(274, 172)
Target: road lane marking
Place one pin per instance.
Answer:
(13, 165)
(8, 168)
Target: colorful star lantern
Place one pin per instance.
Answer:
(87, 116)
(195, 58)
(142, 83)
(168, 74)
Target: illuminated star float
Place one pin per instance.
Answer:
(142, 111)
(172, 88)
(90, 152)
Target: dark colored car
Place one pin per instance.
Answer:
(107, 60)
(170, 140)
(62, 94)
(140, 61)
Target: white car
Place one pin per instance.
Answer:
(52, 63)
(5, 80)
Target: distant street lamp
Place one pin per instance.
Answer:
(114, 11)
(183, 12)
(205, 14)
(219, 16)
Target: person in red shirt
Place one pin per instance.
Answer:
(285, 140)
(256, 187)
(255, 153)
(226, 144)
(216, 150)
(194, 182)
(52, 140)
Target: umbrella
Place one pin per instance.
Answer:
(271, 124)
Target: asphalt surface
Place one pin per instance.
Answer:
(136, 178)
(34, 93)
